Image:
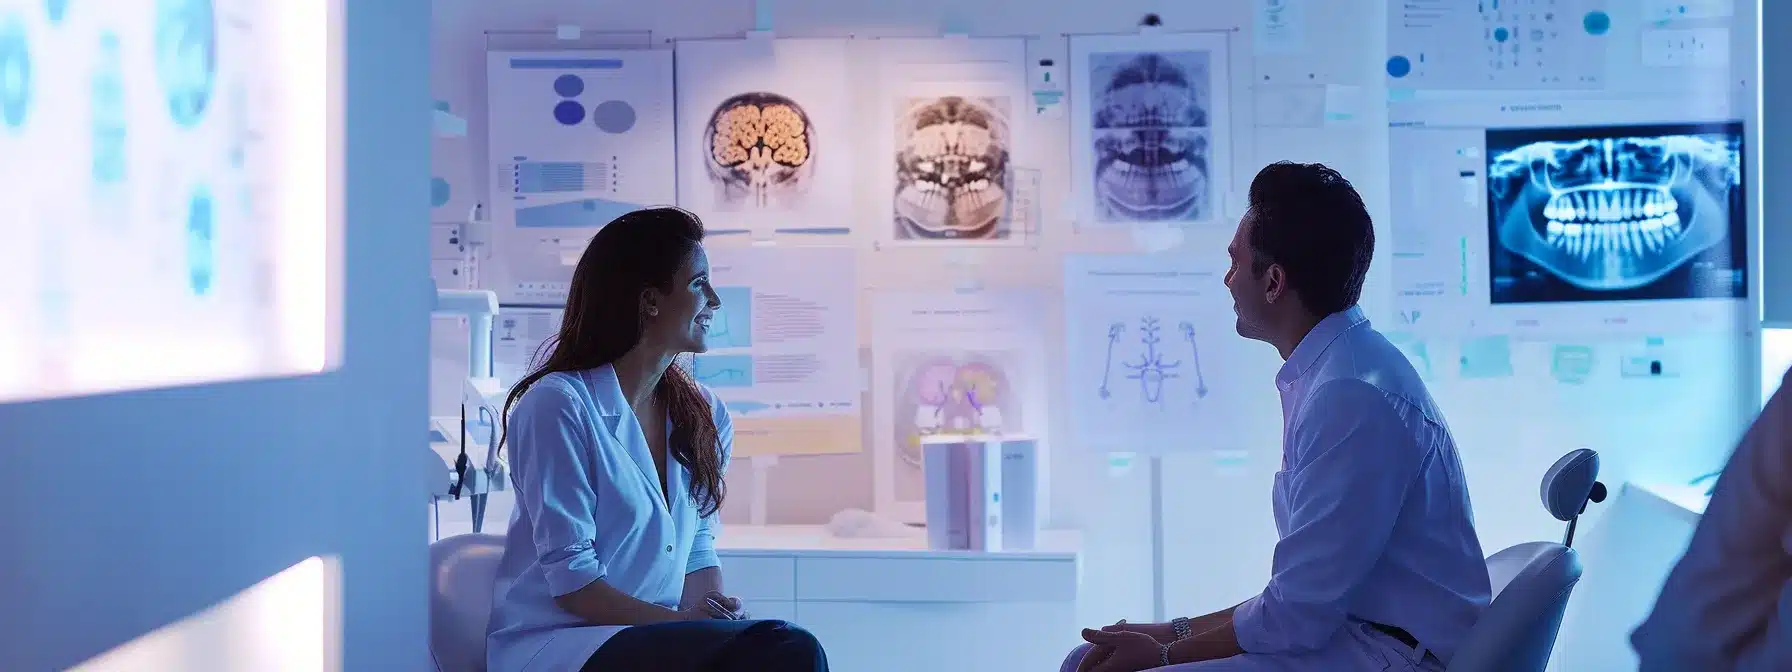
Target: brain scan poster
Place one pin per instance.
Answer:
(951, 111)
(1150, 129)
(765, 144)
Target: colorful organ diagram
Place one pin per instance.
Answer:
(1160, 363)
(955, 395)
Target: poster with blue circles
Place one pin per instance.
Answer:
(577, 138)
(1498, 44)
(165, 178)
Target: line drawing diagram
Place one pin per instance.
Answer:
(1149, 367)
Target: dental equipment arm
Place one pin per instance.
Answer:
(478, 391)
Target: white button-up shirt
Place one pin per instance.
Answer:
(1371, 505)
(589, 508)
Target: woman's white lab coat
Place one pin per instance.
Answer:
(589, 507)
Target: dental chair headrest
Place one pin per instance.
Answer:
(1571, 482)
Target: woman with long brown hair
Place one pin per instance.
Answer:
(617, 457)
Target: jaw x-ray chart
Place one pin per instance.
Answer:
(949, 109)
(1616, 213)
(1150, 128)
(764, 146)
(166, 168)
(1152, 352)
(577, 139)
(950, 363)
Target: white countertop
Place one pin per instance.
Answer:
(1686, 500)
(816, 539)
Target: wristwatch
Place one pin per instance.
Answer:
(1181, 626)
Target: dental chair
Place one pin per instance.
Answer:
(1532, 581)
(462, 570)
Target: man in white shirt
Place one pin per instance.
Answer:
(1377, 566)
(1728, 603)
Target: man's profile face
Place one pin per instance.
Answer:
(1249, 289)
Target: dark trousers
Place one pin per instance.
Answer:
(710, 646)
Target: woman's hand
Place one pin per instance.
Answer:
(704, 611)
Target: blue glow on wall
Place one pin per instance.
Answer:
(15, 72)
(201, 241)
(186, 46)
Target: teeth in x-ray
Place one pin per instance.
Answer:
(1628, 237)
(1608, 214)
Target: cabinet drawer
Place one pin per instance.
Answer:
(925, 579)
(756, 577)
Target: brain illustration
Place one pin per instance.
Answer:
(761, 150)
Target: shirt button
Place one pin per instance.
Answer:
(668, 548)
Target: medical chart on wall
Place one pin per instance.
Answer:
(1538, 223)
(1497, 44)
(784, 348)
(1152, 353)
(519, 333)
(950, 110)
(577, 138)
(951, 363)
(166, 179)
(1150, 129)
(766, 138)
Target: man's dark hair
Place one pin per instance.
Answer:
(1307, 218)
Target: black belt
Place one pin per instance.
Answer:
(1402, 636)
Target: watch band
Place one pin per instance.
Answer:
(1182, 627)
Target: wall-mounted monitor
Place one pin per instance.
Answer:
(171, 207)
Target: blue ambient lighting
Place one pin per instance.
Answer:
(186, 46)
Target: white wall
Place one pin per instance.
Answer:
(1217, 516)
(126, 513)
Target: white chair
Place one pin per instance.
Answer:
(1532, 581)
(462, 571)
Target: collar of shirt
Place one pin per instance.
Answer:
(1311, 346)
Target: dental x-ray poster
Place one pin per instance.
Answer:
(766, 142)
(1150, 128)
(951, 111)
(784, 348)
(577, 139)
(1616, 213)
(952, 363)
(1155, 362)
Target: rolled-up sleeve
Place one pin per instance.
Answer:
(703, 545)
(1353, 460)
(551, 462)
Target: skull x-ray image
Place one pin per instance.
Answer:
(1616, 213)
(951, 168)
(761, 152)
(1151, 135)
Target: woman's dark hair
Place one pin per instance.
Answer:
(1309, 219)
(603, 320)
